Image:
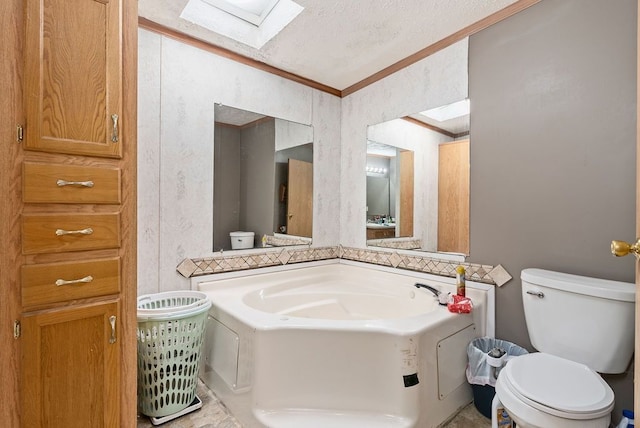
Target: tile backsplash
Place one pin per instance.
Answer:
(283, 256)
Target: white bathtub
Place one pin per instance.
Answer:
(339, 345)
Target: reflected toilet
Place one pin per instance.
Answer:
(241, 240)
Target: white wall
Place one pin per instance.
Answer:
(291, 134)
(434, 81)
(178, 86)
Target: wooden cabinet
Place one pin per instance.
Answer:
(68, 218)
(56, 233)
(73, 77)
(49, 283)
(381, 232)
(71, 367)
(68, 184)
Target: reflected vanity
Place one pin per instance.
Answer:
(263, 180)
(418, 182)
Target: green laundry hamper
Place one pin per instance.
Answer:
(171, 327)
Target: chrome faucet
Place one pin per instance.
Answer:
(434, 290)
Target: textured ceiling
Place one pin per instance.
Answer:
(341, 42)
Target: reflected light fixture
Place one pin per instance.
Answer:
(252, 11)
(450, 111)
(376, 170)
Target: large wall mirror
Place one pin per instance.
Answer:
(418, 181)
(262, 181)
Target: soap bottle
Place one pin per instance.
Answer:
(460, 281)
(627, 419)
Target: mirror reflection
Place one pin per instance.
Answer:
(390, 182)
(431, 214)
(263, 180)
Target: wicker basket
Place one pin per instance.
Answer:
(171, 329)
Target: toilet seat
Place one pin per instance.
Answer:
(558, 386)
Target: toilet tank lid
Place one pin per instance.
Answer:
(241, 234)
(604, 288)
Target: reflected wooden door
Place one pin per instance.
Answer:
(300, 198)
(405, 158)
(453, 197)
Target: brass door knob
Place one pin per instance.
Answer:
(622, 248)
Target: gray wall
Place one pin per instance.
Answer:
(553, 148)
(244, 177)
(257, 179)
(226, 185)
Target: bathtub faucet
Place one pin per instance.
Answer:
(434, 290)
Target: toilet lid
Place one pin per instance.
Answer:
(558, 386)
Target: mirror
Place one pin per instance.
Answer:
(390, 183)
(262, 180)
(418, 181)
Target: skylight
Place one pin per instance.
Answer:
(252, 22)
(450, 111)
(252, 11)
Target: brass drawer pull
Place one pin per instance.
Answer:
(112, 321)
(62, 183)
(87, 231)
(86, 279)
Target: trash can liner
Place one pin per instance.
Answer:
(479, 372)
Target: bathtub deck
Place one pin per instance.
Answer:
(214, 414)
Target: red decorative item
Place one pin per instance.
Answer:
(459, 304)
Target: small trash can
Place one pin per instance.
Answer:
(486, 357)
(171, 327)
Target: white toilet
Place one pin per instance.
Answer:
(581, 326)
(241, 240)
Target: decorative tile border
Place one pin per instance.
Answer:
(398, 244)
(270, 257)
(274, 257)
(418, 263)
(278, 241)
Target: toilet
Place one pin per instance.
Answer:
(241, 240)
(581, 326)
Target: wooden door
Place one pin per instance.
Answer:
(300, 198)
(73, 76)
(453, 197)
(405, 193)
(71, 367)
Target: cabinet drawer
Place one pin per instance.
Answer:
(49, 183)
(59, 282)
(44, 233)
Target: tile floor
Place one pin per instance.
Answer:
(214, 414)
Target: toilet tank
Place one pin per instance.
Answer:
(583, 319)
(241, 240)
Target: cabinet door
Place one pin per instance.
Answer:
(73, 83)
(71, 367)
